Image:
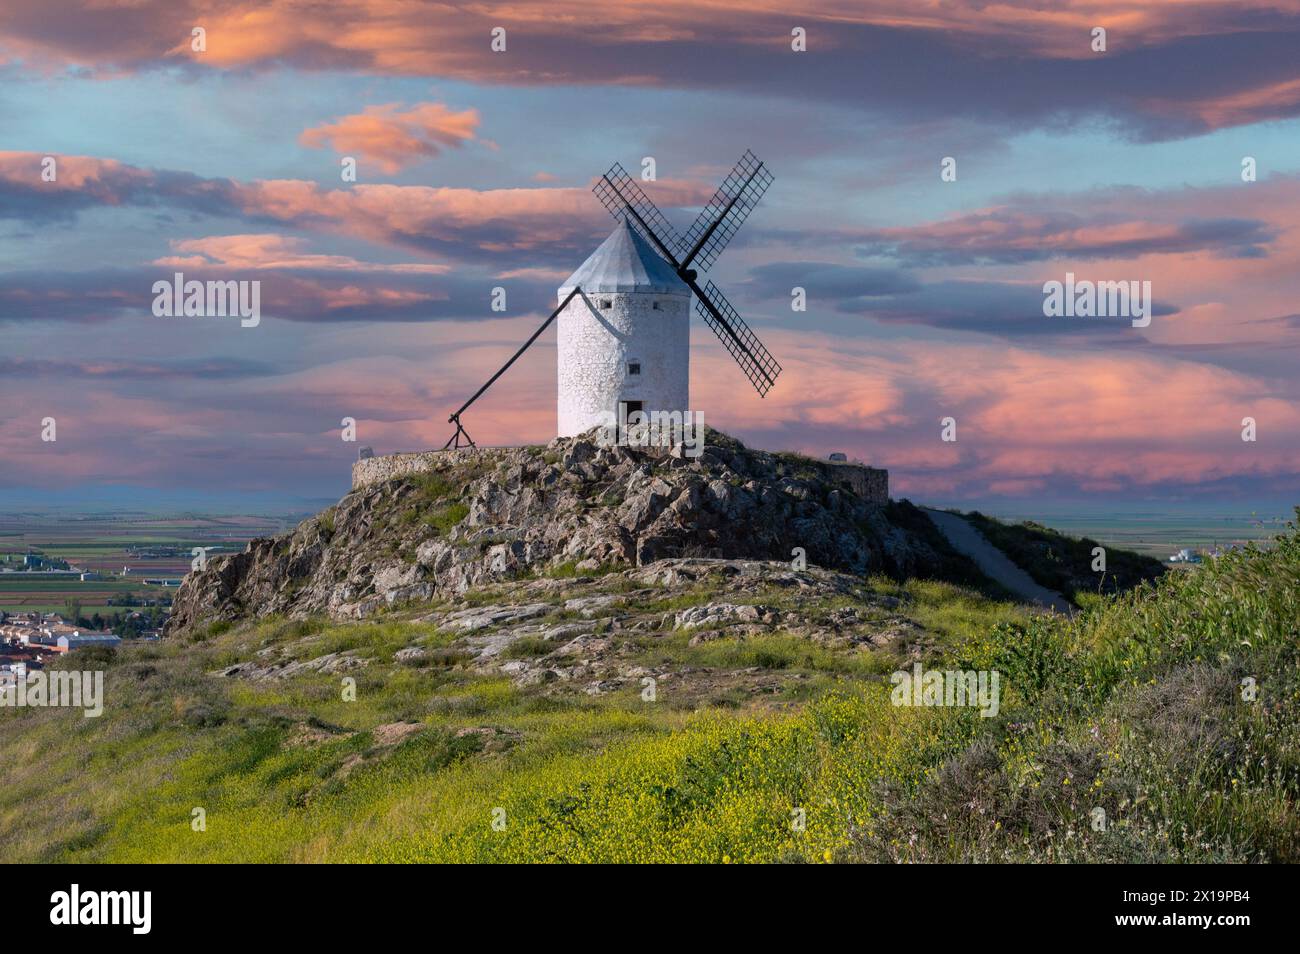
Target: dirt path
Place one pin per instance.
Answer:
(993, 563)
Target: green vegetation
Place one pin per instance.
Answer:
(528, 647)
(432, 486)
(1173, 710)
(951, 565)
(444, 518)
(1169, 717)
(154, 546)
(1064, 564)
(433, 499)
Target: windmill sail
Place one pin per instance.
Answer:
(754, 359)
(726, 212)
(620, 194)
(715, 227)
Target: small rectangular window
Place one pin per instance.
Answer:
(606, 304)
(634, 367)
(655, 305)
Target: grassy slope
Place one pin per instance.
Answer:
(1134, 707)
(951, 565)
(1063, 563)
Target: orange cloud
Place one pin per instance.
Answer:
(272, 251)
(422, 217)
(1024, 416)
(1028, 421)
(399, 37)
(1275, 101)
(493, 220)
(392, 138)
(498, 218)
(104, 180)
(680, 42)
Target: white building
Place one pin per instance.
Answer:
(623, 345)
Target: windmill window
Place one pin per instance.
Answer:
(634, 367)
(606, 304)
(655, 305)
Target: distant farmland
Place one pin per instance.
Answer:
(52, 595)
(105, 543)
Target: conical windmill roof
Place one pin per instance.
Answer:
(625, 262)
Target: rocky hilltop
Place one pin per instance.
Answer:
(495, 515)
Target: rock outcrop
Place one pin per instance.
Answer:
(573, 506)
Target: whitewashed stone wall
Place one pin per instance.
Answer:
(869, 483)
(374, 470)
(594, 346)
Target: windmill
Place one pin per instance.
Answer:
(624, 335)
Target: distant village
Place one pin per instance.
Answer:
(30, 639)
(1190, 555)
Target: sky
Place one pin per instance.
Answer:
(221, 156)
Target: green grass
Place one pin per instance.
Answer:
(529, 647)
(569, 570)
(781, 651)
(1064, 564)
(444, 518)
(1134, 707)
(948, 564)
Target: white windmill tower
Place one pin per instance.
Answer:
(624, 333)
(623, 344)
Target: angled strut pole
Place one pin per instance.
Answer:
(454, 440)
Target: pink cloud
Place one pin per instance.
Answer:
(103, 181)
(272, 251)
(493, 220)
(1027, 420)
(1100, 227)
(393, 138)
(1279, 100)
(490, 220)
(395, 37)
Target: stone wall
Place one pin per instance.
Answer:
(374, 470)
(869, 483)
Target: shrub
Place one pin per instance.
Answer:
(443, 519)
(528, 647)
